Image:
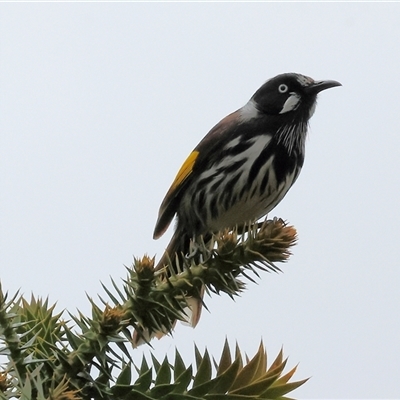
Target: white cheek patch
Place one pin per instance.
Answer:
(291, 103)
(312, 109)
(248, 111)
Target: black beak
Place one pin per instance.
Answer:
(319, 86)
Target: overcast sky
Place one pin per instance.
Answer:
(100, 104)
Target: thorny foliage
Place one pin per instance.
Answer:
(48, 359)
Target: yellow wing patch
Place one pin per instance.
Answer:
(167, 212)
(184, 171)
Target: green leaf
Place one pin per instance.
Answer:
(285, 378)
(252, 370)
(26, 390)
(163, 374)
(144, 367)
(156, 364)
(183, 381)
(225, 360)
(256, 388)
(179, 365)
(226, 379)
(110, 295)
(277, 368)
(121, 390)
(144, 380)
(197, 356)
(161, 390)
(238, 355)
(278, 361)
(203, 370)
(202, 390)
(280, 390)
(125, 377)
(138, 395)
(262, 362)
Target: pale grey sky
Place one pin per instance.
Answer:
(100, 103)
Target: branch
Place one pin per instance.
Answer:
(47, 355)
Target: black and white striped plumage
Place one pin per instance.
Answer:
(241, 169)
(245, 165)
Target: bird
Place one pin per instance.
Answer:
(243, 167)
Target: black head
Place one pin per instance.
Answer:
(290, 93)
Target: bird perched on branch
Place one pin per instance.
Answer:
(244, 166)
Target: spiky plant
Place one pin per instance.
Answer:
(89, 357)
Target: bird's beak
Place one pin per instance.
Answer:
(319, 86)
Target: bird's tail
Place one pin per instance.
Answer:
(175, 252)
(173, 257)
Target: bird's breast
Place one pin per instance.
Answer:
(240, 187)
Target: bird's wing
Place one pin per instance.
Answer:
(171, 200)
(196, 159)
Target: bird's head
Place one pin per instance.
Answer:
(288, 95)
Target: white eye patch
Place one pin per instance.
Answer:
(291, 103)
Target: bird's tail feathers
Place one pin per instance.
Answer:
(174, 253)
(173, 257)
(191, 315)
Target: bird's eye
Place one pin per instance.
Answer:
(283, 88)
